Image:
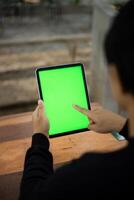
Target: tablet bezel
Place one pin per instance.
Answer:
(38, 69)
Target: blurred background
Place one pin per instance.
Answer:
(50, 32)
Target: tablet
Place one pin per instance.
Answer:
(60, 87)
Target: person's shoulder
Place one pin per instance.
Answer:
(95, 160)
(95, 163)
(89, 170)
(86, 163)
(105, 159)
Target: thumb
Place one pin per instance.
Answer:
(41, 107)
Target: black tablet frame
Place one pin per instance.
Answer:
(38, 69)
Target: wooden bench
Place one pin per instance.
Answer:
(15, 139)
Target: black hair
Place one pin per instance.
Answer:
(119, 46)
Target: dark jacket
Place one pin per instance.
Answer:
(94, 176)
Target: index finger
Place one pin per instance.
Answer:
(82, 110)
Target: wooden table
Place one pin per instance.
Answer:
(15, 139)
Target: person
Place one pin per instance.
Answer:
(94, 175)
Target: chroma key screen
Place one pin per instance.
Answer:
(60, 88)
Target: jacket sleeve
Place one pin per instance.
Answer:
(124, 131)
(38, 166)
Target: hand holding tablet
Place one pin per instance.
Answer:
(40, 121)
(60, 87)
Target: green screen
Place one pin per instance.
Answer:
(61, 88)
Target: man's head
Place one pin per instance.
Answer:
(119, 50)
